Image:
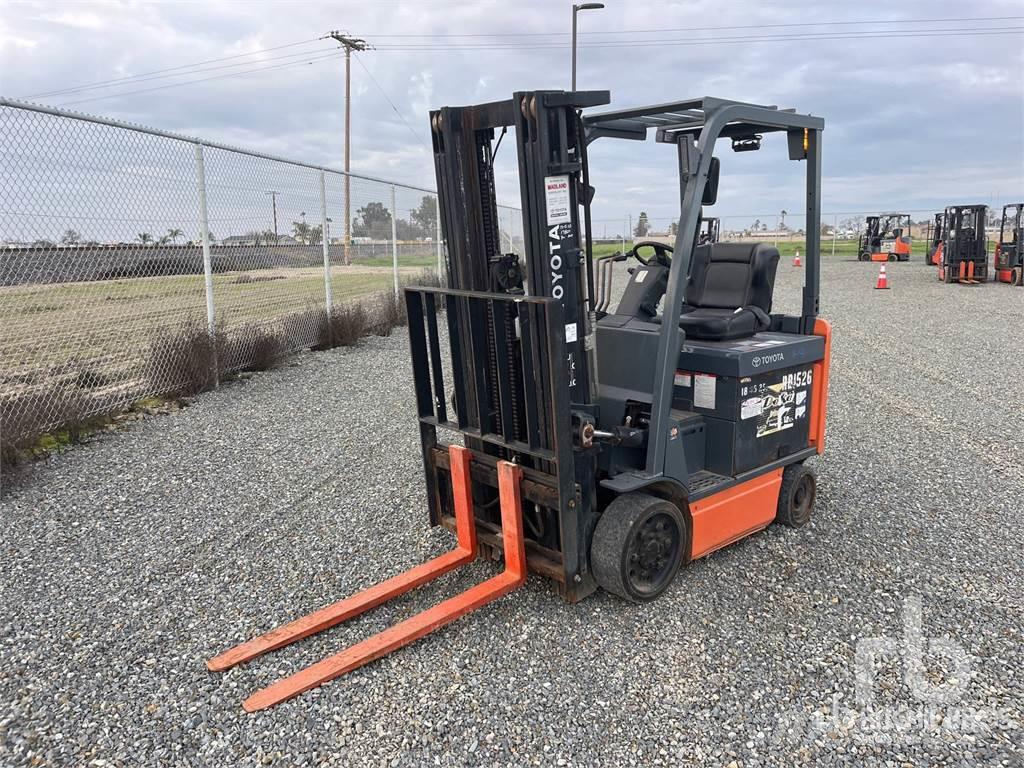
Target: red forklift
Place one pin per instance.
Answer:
(886, 237)
(591, 446)
(1009, 260)
(963, 253)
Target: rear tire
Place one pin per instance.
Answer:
(1015, 276)
(796, 496)
(637, 546)
(892, 257)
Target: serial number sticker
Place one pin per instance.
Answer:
(750, 408)
(683, 379)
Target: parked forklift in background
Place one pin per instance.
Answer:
(589, 446)
(1009, 259)
(709, 230)
(936, 232)
(963, 253)
(886, 237)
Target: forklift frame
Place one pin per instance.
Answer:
(1008, 263)
(552, 434)
(964, 255)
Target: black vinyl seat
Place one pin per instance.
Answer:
(729, 292)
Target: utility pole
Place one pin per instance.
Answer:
(349, 44)
(273, 201)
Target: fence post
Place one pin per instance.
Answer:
(835, 231)
(394, 237)
(204, 230)
(437, 237)
(324, 234)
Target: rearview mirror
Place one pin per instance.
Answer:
(711, 188)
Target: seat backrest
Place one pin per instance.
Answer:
(732, 275)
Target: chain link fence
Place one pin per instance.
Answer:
(136, 263)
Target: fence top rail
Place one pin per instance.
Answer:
(81, 116)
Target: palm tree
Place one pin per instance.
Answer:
(174, 234)
(145, 238)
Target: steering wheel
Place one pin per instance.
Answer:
(662, 253)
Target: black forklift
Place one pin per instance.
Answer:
(710, 228)
(963, 254)
(886, 237)
(591, 446)
(1009, 259)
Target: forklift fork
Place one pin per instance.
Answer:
(414, 627)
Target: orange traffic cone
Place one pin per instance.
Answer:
(796, 259)
(883, 281)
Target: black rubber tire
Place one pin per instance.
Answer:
(796, 496)
(632, 522)
(864, 256)
(1015, 276)
(892, 257)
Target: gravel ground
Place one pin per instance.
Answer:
(129, 561)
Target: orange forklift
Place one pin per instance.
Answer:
(886, 237)
(936, 232)
(596, 448)
(1009, 261)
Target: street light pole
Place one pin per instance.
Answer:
(576, 8)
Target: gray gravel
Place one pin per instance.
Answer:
(129, 561)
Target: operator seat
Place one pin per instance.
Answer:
(729, 291)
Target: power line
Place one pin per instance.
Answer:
(274, 67)
(170, 69)
(83, 89)
(705, 29)
(389, 101)
(684, 42)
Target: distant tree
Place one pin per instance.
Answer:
(269, 237)
(756, 226)
(70, 237)
(314, 235)
(826, 230)
(782, 223)
(643, 226)
(145, 238)
(300, 231)
(673, 228)
(372, 220)
(424, 218)
(174, 234)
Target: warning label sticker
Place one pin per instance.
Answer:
(777, 405)
(704, 390)
(750, 408)
(683, 379)
(556, 197)
(570, 333)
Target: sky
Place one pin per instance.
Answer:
(914, 120)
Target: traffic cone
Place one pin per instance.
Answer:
(796, 259)
(883, 281)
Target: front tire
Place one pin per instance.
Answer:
(637, 546)
(797, 495)
(1015, 276)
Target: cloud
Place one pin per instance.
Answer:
(911, 122)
